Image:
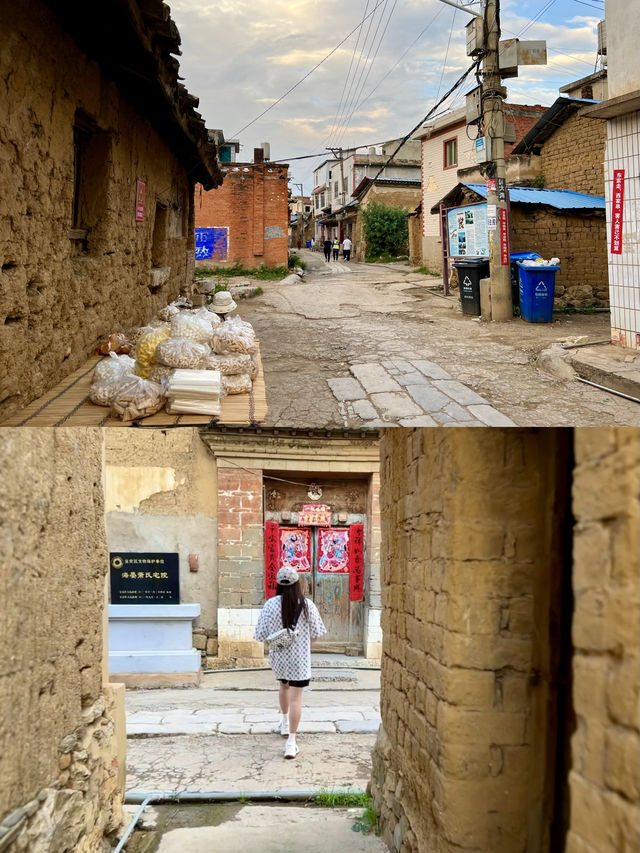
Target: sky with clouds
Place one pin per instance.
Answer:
(240, 56)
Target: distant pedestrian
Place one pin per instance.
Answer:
(291, 666)
(335, 246)
(346, 249)
(327, 250)
(299, 244)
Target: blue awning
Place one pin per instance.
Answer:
(560, 199)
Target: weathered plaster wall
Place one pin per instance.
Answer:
(161, 495)
(472, 526)
(58, 295)
(605, 778)
(62, 736)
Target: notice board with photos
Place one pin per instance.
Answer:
(468, 231)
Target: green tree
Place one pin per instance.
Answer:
(386, 229)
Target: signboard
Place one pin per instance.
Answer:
(617, 211)
(492, 217)
(468, 231)
(314, 515)
(501, 189)
(212, 244)
(144, 578)
(504, 238)
(141, 189)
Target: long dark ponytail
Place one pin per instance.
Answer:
(293, 603)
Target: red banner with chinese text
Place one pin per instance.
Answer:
(271, 557)
(356, 562)
(504, 238)
(617, 211)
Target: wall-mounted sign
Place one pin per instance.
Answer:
(504, 238)
(492, 217)
(144, 578)
(617, 211)
(501, 189)
(212, 244)
(468, 231)
(141, 189)
(314, 515)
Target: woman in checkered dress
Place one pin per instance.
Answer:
(292, 666)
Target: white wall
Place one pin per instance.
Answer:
(623, 46)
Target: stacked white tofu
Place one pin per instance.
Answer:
(194, 392)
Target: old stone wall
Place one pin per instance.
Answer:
(61, 729)
(61, 289)
(580, 242)
(573, 157)
(472, 551)
(252, 203)
(160, 495)
(604, 779)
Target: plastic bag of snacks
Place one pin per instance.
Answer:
(181, 352)
(234, 335)
(188, 325)
(240, 383)
(205, 314)
(146, 349)
(118, 343)
(229, 364)
(136, 397)
(113, 365)
(168, 311)
(103, 391)
(161, 373)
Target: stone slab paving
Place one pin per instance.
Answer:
(250, 721)
(410, 391)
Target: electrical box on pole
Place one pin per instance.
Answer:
(514, 52)
(474, 105)
(475, 36)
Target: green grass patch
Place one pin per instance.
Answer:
(258, 291)
(295, 261)
(262, 272)
(368, 820)
(426, 271)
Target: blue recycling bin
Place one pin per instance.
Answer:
(308, 244)
(514, 257)
(537, 290)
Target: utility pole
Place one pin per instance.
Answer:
(493, 94)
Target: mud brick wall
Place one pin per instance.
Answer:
(59, 295)
(407, 198)
(253, 204)
(62, 737)
(573, 157)
(604, 779)
(471, 554)
(580, 242)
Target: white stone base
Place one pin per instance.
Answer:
(152, 638)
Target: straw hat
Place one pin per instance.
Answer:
(223, 303)
(286, 576)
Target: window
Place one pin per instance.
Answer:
(450, 153)
(335, 190)
(317, 201)
(345, 185)
(160, 233)
(91, 155)
(307, 208)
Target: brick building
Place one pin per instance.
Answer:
(510, 624)
(100, 151)
(446, 149)
(245, 220)
(227, 497)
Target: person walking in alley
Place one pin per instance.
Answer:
(291, 666)
(336, 248)
(327, 250)
(346, 249)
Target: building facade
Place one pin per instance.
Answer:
(245, 220)
(232, 506)
(97, 169)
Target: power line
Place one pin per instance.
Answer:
(308, 74)
(369, 69)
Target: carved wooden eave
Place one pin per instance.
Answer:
(135, 42)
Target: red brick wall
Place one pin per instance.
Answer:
(524, 118)
(253, 204)
(240, 538)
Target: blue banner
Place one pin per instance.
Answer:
(212, 244)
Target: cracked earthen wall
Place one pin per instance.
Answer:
(58, 295)
(62, 737)
(472, 554)
(604, 780)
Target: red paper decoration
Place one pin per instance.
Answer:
(356, 562)
(271, 557)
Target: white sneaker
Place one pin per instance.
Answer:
(291, 750)
(284, 727)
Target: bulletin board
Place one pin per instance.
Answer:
(468, 231)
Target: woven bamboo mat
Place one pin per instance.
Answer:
(68, 404)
